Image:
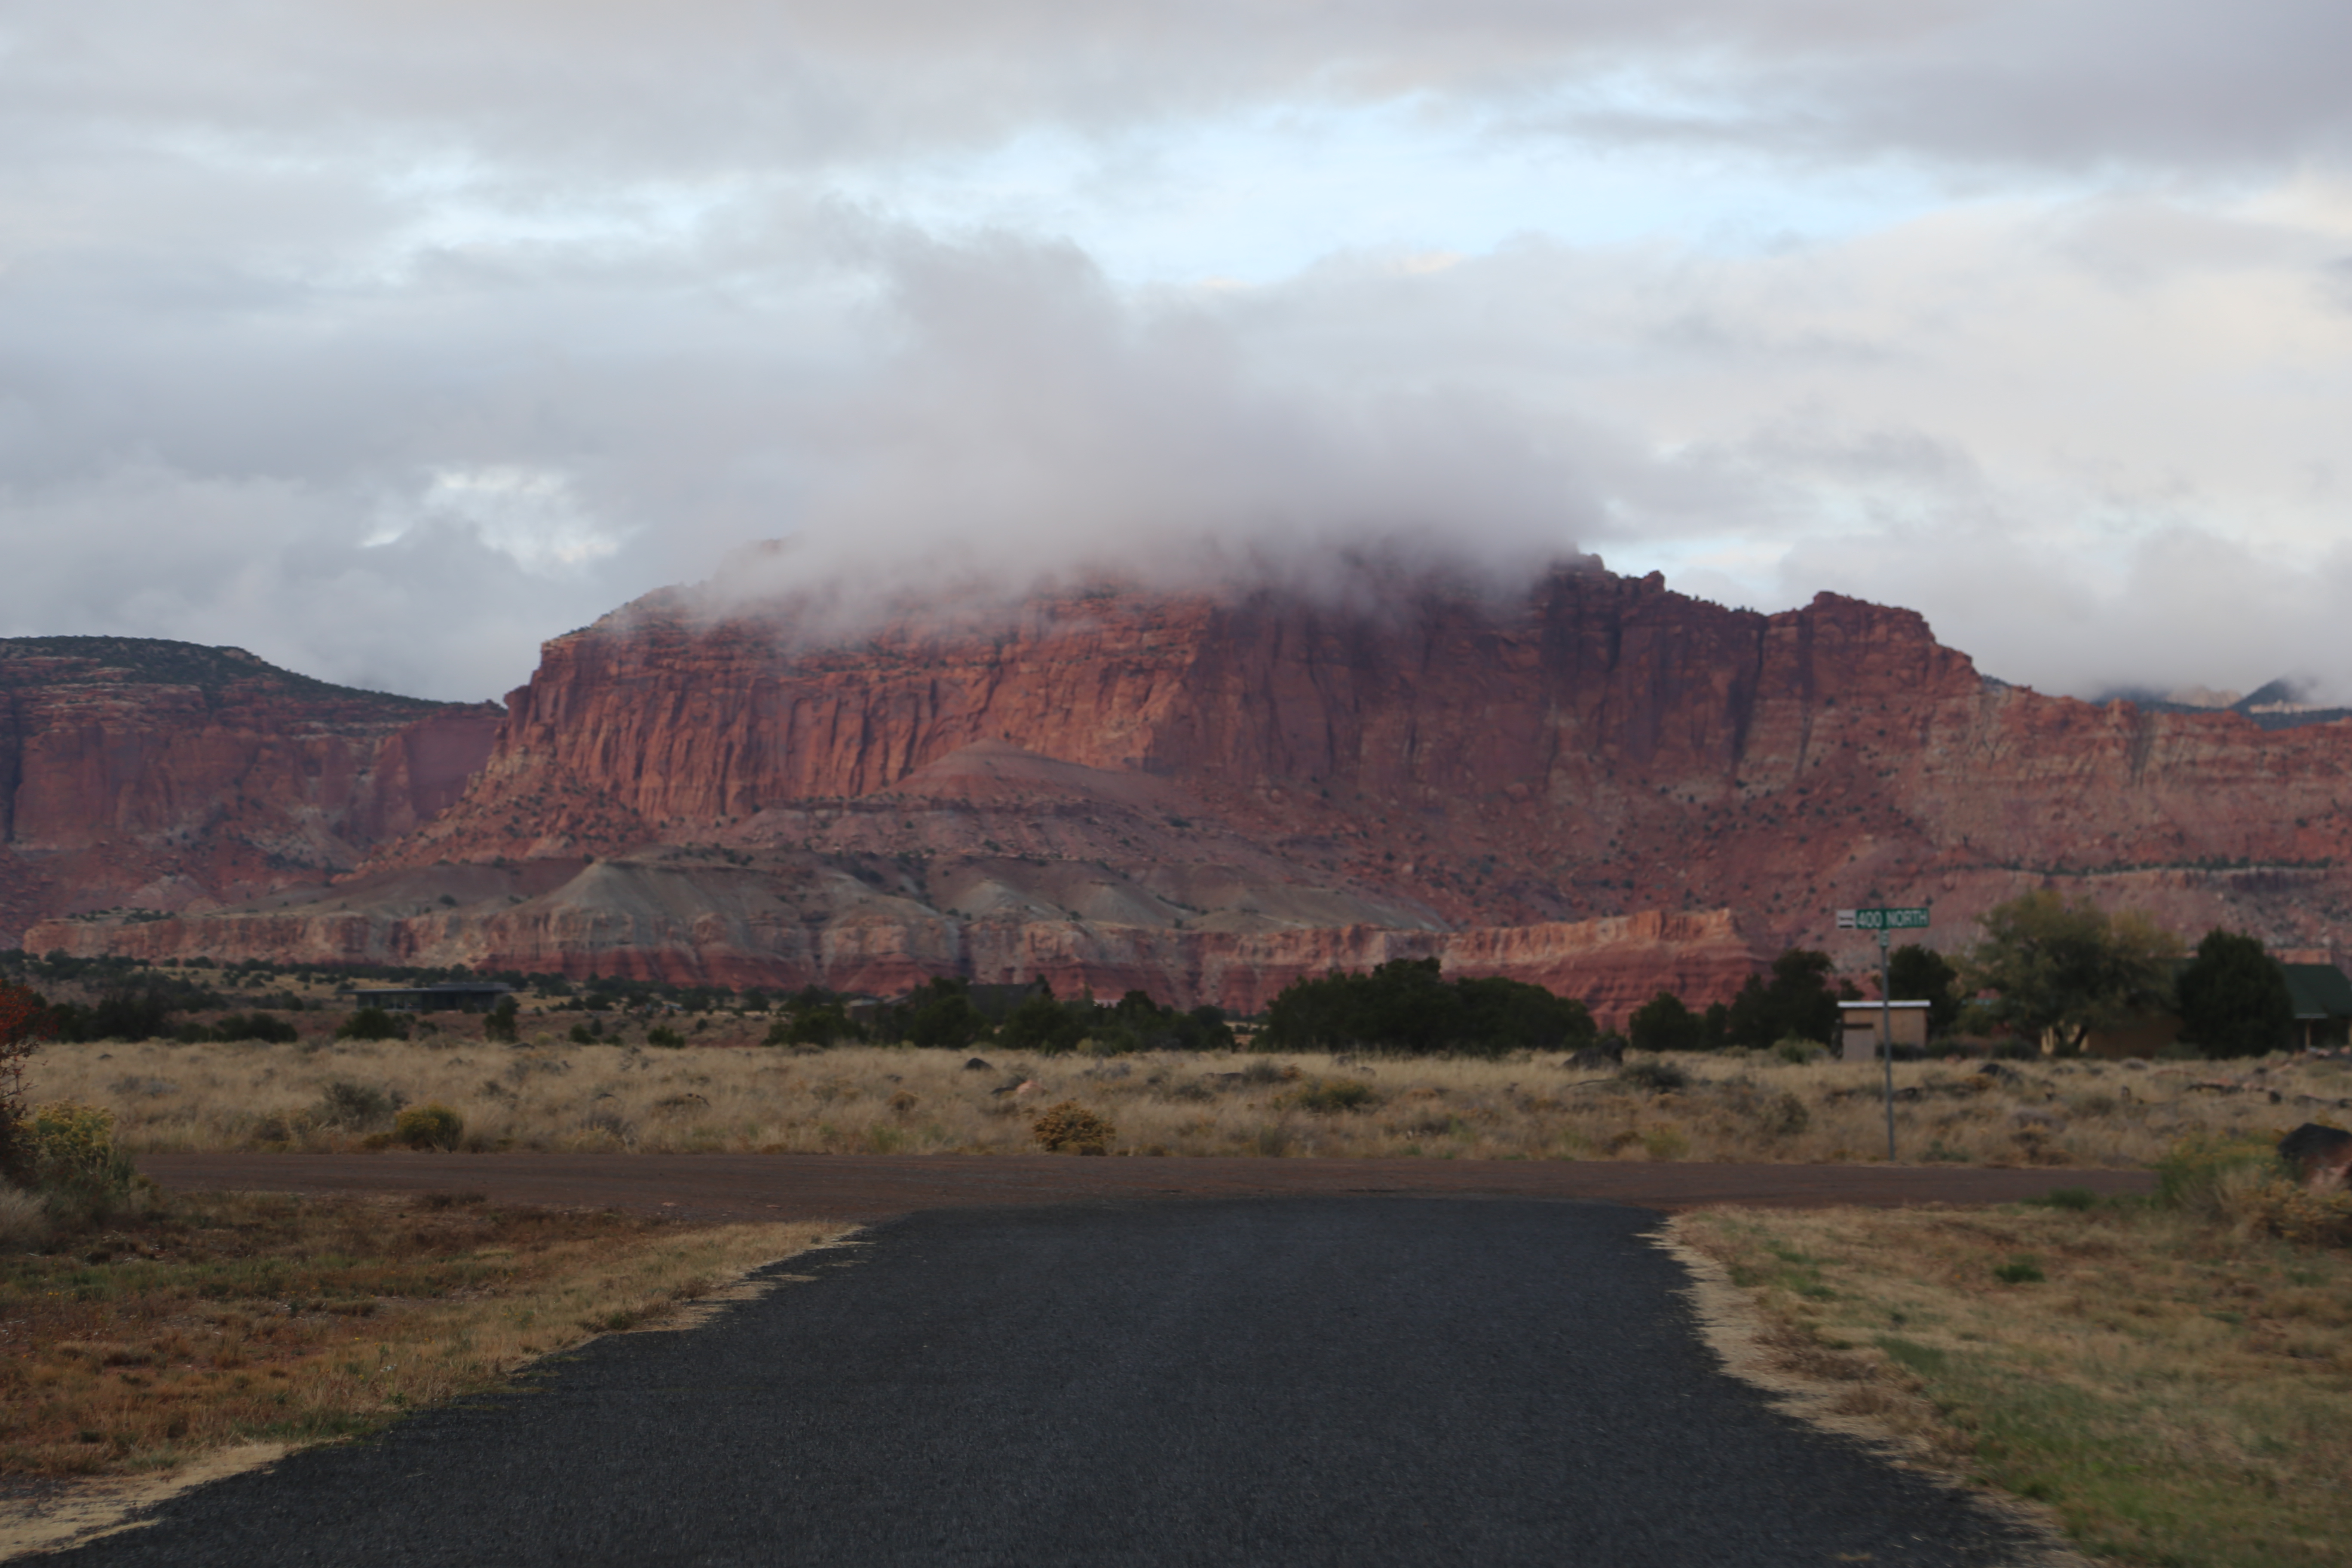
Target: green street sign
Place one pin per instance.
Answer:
(1882, 920)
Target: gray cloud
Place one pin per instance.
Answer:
(388, 339)
(621, 91)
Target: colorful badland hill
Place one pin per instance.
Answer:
(1588, 781)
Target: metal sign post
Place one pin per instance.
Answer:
(1883, 920)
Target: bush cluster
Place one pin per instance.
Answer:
(1406, 1007)
(1070, 1128)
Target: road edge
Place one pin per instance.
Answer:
(1740, 1333)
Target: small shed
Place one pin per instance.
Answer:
(1858, 1025)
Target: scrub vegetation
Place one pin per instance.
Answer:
(2171, 1378)
(215, 1320)
(549, 1093)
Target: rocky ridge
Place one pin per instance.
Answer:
(156, 777)
(1195, 789)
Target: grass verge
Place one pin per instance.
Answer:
(2174, 1390)
(255, 1323)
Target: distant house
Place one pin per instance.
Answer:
(1859, 1023)
(462, 998)
(2323, 1016)
(2323, 1003)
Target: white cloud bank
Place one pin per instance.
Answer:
(387, 341)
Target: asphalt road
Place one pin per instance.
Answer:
(1346, 1381)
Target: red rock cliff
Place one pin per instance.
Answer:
(159, 775)
(1177, 777)
(1594, 746)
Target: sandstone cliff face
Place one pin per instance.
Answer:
(161, 776)
(1210, 790)
(1597, 746)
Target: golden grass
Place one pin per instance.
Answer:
(223, 1320)
(551, 1094)
(2175, 1390)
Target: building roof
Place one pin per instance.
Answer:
(2320, 990)
(1874, 1006)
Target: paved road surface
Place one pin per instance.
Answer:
(1344, 1381)
(866, 1186)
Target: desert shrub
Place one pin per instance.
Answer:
(1139, 1024)
(2234, 1000)
(1042, 1025)
(75, 1163)
(938, 1016)
(25, 1021)
(821, 1026)
(262, 1027)
(24, 1219)
(2023, 1268)
(357, 1107)
(2205, 1174)
(1406, 1007)
(1797, 1001)
(1786, 1115)
(1655, 1076)
(373, 1024)
(2289, 1210)
(499, 1022)
(1797, 1051)
(1916, 973)
(429, 1127)
(1665, 1023)
(1327, 1096)
(1070, 1128)
(663, 1036)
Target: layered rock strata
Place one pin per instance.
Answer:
(1122, 783)
(151, 777)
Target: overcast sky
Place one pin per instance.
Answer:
(388, 339)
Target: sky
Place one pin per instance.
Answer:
(389, 340)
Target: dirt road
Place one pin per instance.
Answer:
(868, 1187)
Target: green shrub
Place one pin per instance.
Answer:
(1407, 1008)
(822, 1027)
(1042, 1025)
(1664, 1023)
(2023, 1268)
(262, 1027)
(357, 1107)
(77, 1166)
(2200, 1174)
(1327, 1096)
(499, 1023)
(429, 1127)
(669, 1038)
(1070, 1128)
(373, 1024)
(1654, 1075)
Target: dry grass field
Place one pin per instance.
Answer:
(553, 1094)
(2174, 1385)
(219, 1321)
